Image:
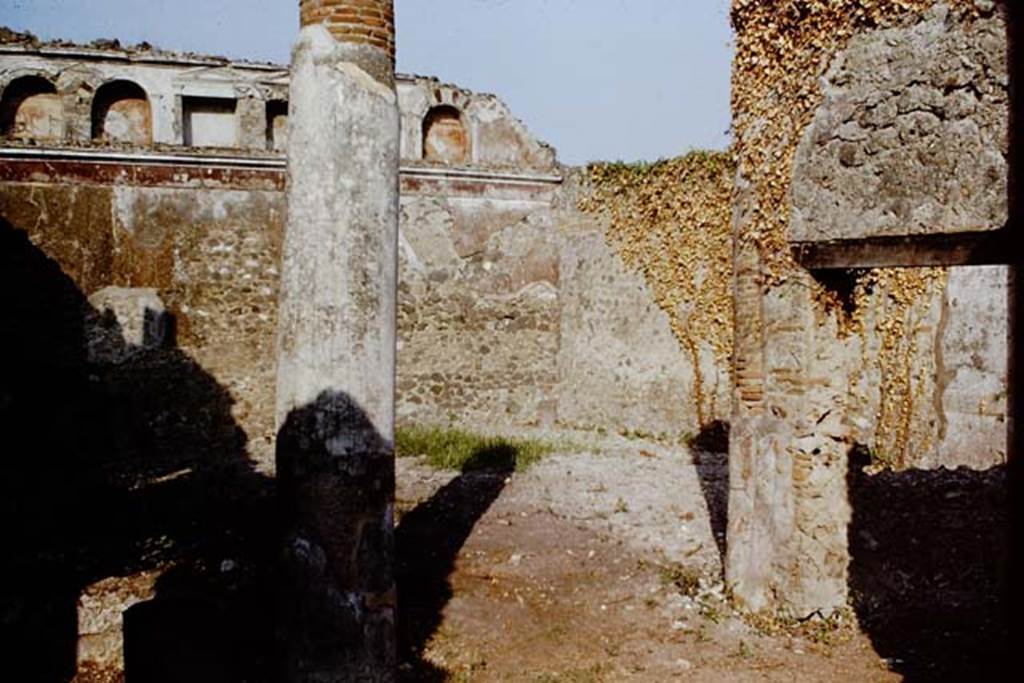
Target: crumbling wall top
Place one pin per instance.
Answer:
(211, 103)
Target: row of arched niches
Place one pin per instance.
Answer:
(32, 109)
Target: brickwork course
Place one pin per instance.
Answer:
(367, 22)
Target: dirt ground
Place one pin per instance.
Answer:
(605, 565)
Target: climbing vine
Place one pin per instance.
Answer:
(892, 309)
(671, 221)
(783, 49)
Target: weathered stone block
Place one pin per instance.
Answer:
(129, 319)
(911, 137)
(101, 608)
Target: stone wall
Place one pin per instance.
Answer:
(207, 242)
(493, 251)
(491, 331)
(668, 224)
(515, 305)
(511, 311)
(478, 318)
(523, 312)
(855, 120)
(910, 136)
(927, 365)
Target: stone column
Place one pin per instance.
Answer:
(336, 347)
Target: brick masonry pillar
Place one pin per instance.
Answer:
(336, 347)
(788, 503)
(369, 23)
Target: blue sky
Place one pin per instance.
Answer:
(598, 79)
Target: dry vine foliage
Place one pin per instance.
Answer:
(900, 300)
(671, 221)
(783, 48)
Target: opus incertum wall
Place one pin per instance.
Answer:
(162, 176)
(878, 143)
(485, 238)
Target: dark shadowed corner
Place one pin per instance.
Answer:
(710, 452)
(126, 476)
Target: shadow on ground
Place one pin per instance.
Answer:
(928, 554)
(428, 541)
(710, 453)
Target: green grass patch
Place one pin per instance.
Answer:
(450, 448)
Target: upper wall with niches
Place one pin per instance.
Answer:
(83, 96)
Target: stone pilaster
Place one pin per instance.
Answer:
(336, 347)
(252, 123)
(788, 504)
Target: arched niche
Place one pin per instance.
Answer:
(31, 109)
(445, 137)
(121, 113)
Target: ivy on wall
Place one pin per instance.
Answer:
(671, 221)
(783, 49)
(893, 306)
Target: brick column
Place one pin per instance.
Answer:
(369, 23)
(336, 347)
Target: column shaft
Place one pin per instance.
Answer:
(336, 347)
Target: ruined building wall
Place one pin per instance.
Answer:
(599, 301)
(855, 119)
(499, 270)
(536, 314)
(668, 224)
(925, 350)
(478, 303)
(190, 219)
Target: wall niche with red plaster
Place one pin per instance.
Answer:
(121, 113)
(445, 138)
(31, 109)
